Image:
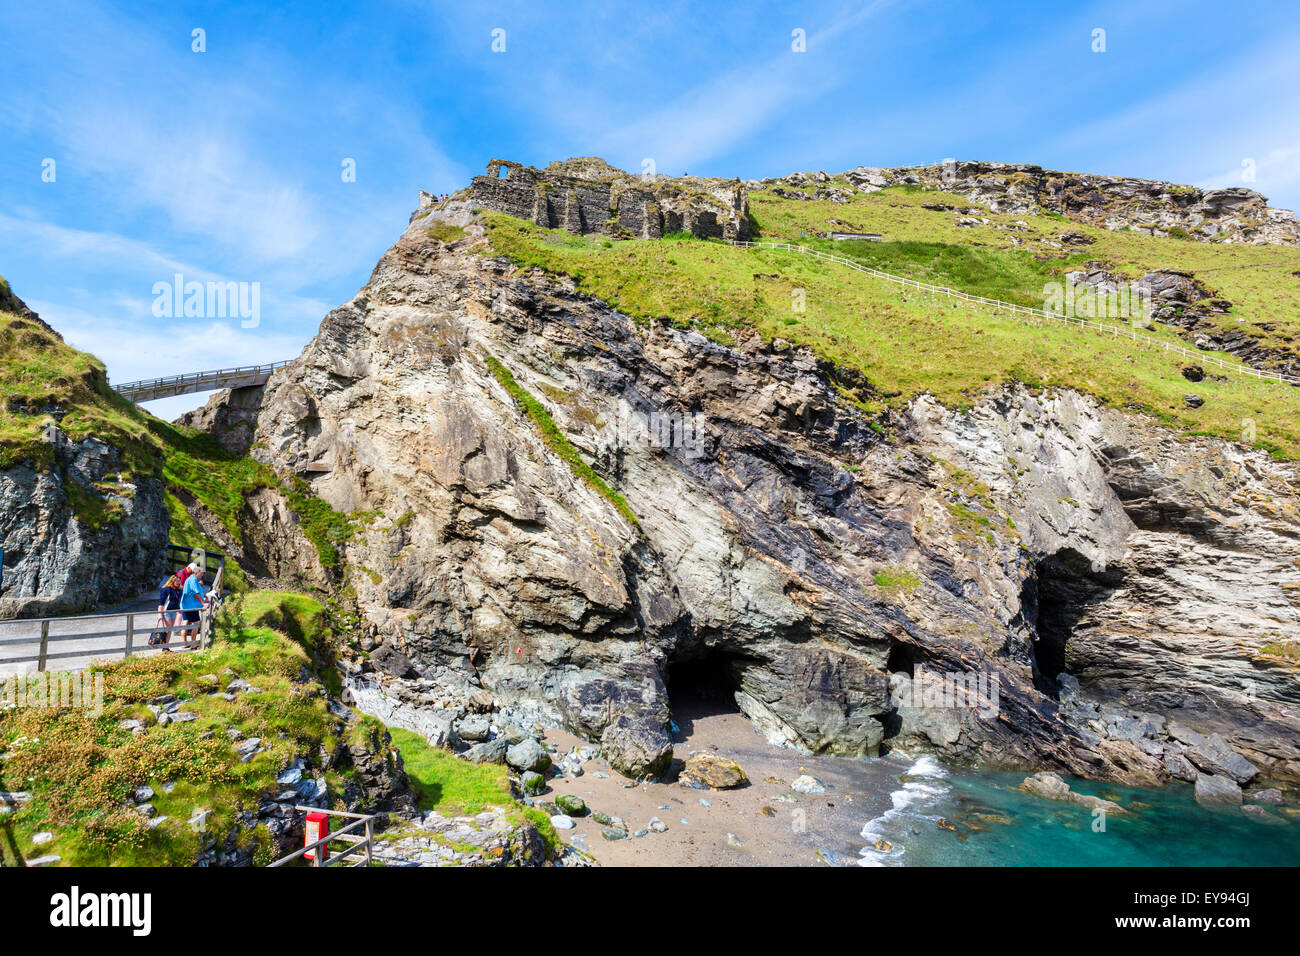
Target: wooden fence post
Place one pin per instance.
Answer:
(45, 645)
(130, 635)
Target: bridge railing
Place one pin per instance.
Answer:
(195, 381)
(1038, 316)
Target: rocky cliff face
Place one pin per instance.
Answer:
(230, 416)
(59, 562)
(1112, 202)
(78, 528)
(1036, 583)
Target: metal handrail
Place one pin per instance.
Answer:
(200, 376)
(128, 630)
(1129, 332)
(359, 819)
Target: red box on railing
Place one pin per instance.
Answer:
(318, 827)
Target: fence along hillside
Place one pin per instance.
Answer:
(1037, 316)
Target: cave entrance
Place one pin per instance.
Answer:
(1069, 584)
(702, 685)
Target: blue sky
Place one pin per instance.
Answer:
(226, 164)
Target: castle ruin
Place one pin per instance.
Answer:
(588, 195)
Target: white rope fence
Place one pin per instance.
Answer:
(1037, 316)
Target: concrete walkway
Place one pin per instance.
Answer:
(103, 637)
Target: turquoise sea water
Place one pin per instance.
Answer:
(997, 825)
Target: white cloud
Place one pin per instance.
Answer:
(713, 117)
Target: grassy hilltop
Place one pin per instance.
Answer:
(908, 344)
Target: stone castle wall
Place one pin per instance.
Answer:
(587, 195)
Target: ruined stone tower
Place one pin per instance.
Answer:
(588, 195)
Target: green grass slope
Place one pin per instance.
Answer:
(46, 382)
(908, 343)
(80, 767)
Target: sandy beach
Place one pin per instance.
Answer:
(763, 823)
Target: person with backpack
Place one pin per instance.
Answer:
(169, 609)
(193, 600)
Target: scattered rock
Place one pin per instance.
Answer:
(657, 825)
(704, 770)
(1213, 790)
(492, 751)
(1179, 767)
(1260, 815)
(562, 821)
(1193, 373)
(1050, 786)
(571, 765)
(44, 861)
(528, 755)
(1193, 401)
(532, 783)
(808, 784)
(249, 749)
(1213, 755)
(733, 840)
(474, 728)
(613, 833)
(142, 794)
(40, 839)
(636, 746)
(1076, 239)
(573, 805)
(1270, 795)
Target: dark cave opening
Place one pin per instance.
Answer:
(702, 684)
(903, 658)
(1068, 585)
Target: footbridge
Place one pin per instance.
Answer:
(188, 383)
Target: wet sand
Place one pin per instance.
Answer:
(773, 825)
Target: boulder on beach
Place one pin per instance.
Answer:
(808, 784)
(571, 804)
(636, 747)
(528, 755)
(704, 770)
